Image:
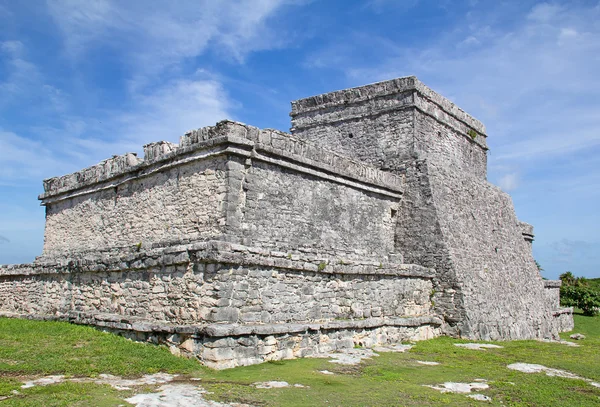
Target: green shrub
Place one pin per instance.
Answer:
(581, 296)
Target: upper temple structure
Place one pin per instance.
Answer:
(371, 223)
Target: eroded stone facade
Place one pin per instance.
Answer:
(371, 223)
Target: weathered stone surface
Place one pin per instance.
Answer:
(477, 346)
(389, 122)
(453, 387)
(241, 245)
(194, 293)
(165, 206)
(450, 218)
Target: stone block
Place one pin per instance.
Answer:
(225, 314)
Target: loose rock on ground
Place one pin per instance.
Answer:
(453, 387)
(270, 385)
(478, 346)
(534, 368)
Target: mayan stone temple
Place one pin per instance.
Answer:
(371, 223)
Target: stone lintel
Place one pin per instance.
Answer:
(552, 283)
(563, 311)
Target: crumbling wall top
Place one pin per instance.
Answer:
(384, 89)
(224, 133)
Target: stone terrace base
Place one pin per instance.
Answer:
(288, 341)
(227, 304)
(223, 346)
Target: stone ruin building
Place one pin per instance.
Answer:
(371, 223)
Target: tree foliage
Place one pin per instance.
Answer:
(577, 292)
(539, 266)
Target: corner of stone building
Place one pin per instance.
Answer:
(492, 259)
(486, 286)
(419, 237)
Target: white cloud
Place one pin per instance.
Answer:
(534, 81)
(4, 12)
(151, 40)
(155, 34)
(25, 159)
(551, 144)
(544, 12)
(509, 182)
(155, 41)
(25, 82)
(11, 47)
(578, 256)
(70, 141)
(170, 110)
(20, 72)
(470, 41)
(566, 33)
(164, 114)
(380, 6)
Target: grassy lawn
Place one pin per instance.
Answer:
(31, 349)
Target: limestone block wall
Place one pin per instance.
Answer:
(419, 236)
(485, 264)
(563, 316)
(230, 181)
(527, 232)
(289, 209)
(224, 346)
(177, 202)
(449, 146)
(156, 293)
(300, 341)
(380, 139)
(105, 170)
(268, 296)
(450, 218)
(227, 304)
(216, 282)
(389, 122)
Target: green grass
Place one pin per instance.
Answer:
(68, 394)
(397, 379)
(42, 348)
(30, 348)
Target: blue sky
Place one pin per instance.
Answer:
(81, 80)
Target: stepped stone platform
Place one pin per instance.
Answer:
(372, 223)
